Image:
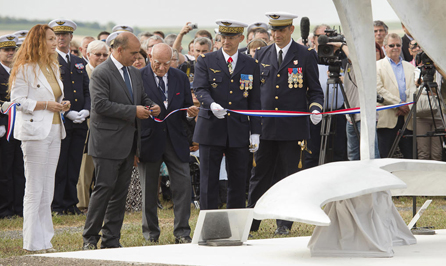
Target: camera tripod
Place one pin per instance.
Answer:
(334, 78)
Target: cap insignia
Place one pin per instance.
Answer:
(226, 23)
(60, 22)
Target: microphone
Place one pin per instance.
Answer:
(322, 40)
(304, 29)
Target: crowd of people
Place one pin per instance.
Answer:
(88, 115)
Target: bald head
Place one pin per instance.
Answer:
(125, 48)
(160, 58)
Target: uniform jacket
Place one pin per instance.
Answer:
(154, 134)
(213, 83)
(113, 121)
(387, 87)
(75, 80)
(28, 88)
(4, 77)
(276, 95)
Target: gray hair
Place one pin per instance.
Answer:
(145, 44)
(95, 46)
(203, 41)
(391, 35)
(379, 23)
(147, 34)
(320, 26)
(87, 38)
(170, 39)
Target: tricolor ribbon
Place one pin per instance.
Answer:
(273, 113)
(11, 111)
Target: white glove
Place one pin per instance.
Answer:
(254, 139)
(2, 131)
(79, 120)
(315, 117)
(218, 111)
(72, 115)
(84, 113)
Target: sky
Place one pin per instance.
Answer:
(175, 13)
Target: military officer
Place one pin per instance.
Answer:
(289, 81)
(75, 82)
(21, 35)
(226, 79)
(12, 175)
(122, 28)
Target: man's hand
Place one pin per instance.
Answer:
(73, 115)
(218, 111)
(142, 112)
(135, 161)
(186, 29)
(315, 117)
(192, 111)
(155, 110)
(2, 131)
(403, 110)
(254, 141)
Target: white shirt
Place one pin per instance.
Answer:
(93, 67)
(284, 50)
(119, 67)
(64, 55)
(234, 58)
(8, 69)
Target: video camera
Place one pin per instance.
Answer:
(326, 53)
(427, 68)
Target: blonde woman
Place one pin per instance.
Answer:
(36, 86)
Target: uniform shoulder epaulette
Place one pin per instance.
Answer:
(258, 48)
(257, 61)
(311, 48)
(202, 55)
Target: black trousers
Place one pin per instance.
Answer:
(236, 162)
(12, 178)
(386, 137)
(275, 160)
(67, 173)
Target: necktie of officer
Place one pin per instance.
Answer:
(162, 86)
(127, 82)
(230, 65)
(280, 59)
(68, 60)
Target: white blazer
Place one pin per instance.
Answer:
(26, 90)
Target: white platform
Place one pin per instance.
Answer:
(430, 250)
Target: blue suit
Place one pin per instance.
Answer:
(76, 82)
(166, 141)
(229, 135)
(279, 152)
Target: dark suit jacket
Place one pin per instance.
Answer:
(4, 77)
(154, 134)
(75, 82)
(276, 95)
(113, 121)
(405, 48)
(214, 84)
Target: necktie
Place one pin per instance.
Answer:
(162, 86)
(279, 61)
(127, 82)
(230, 65)
(68, 60)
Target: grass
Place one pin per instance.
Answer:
(68, 236)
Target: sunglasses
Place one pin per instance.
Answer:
(393, 45)
(75, 51)
(99, 55)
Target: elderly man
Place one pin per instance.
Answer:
(97, 53)
(380, 29)
(395, 80)
(83, 48)
(118, 104)
(12, 176)
(150, 42)
(166, 142)
(75, 84)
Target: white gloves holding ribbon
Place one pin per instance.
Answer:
(315, 117)
(218, 111)
(2, 131)
(254, 141)
(78, 117)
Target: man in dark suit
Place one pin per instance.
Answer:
(289, 81)
(75, 82)
(226, 79)
(12, 175)
(118, 102)
(406, 39)
(166, 141)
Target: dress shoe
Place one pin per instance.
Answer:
(89, 246)
(153, 239)
(58, 213)
(183, 239)
(73, 210)
(282, 230)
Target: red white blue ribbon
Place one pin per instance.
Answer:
(11, 112)
(274, 113)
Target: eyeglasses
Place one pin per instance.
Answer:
(413, 45)
(75, 51)
(393, 45)
(99, 55)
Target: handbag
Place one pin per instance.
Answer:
(423, 107)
